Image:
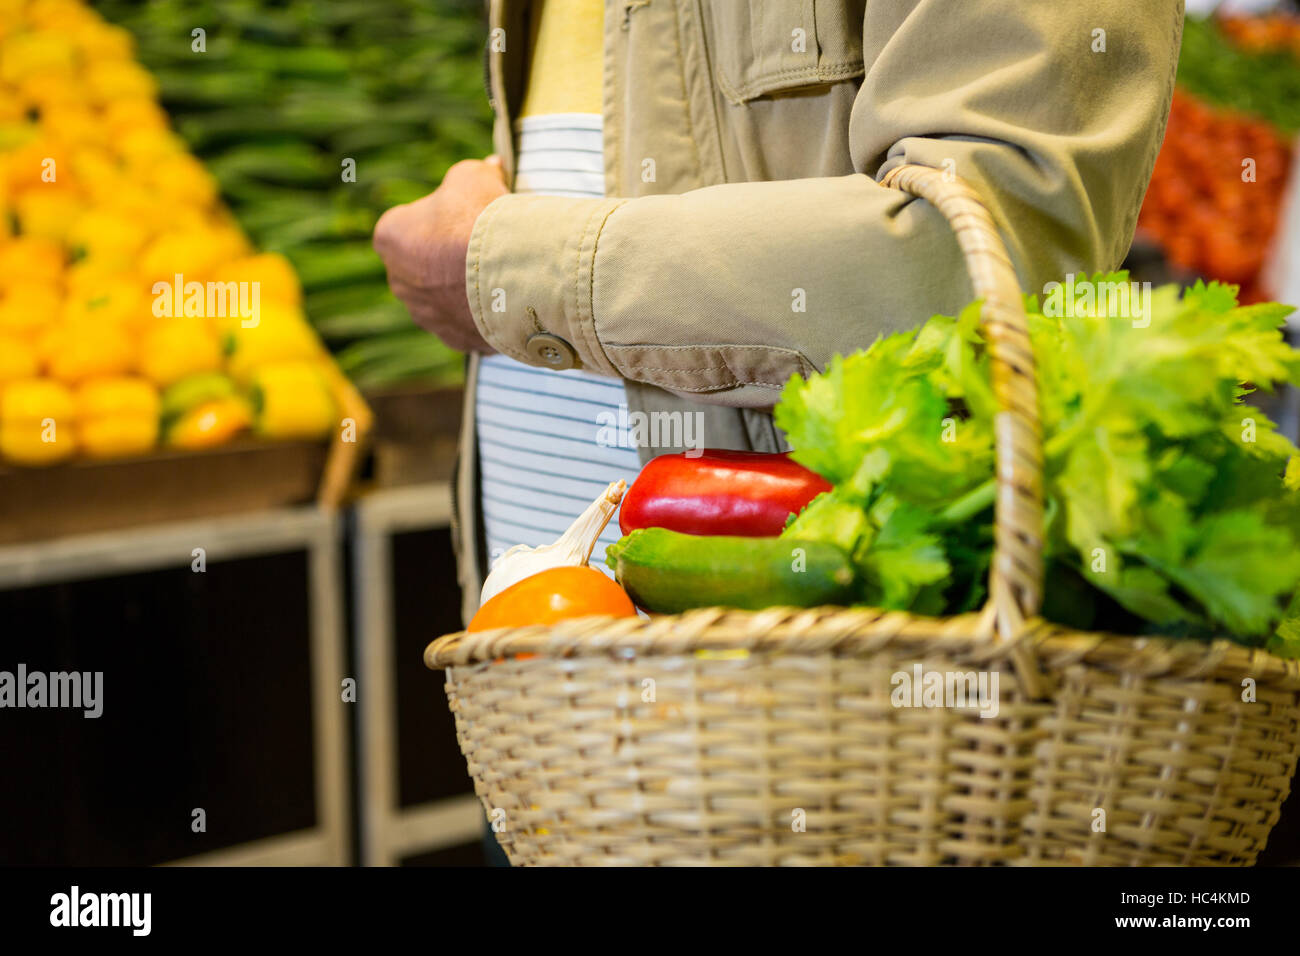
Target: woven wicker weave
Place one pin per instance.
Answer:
(722, 737)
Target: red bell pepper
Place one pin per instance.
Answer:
(744, 493)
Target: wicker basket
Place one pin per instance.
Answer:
(721, 737)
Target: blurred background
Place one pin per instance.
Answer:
(255, 589)
(178, 511)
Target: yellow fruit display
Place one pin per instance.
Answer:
(97, 172)
(15, 130)
(273, 273)
(72, 353)
(126, 115)
(37, 53)
(44, 92)
(179, 178)
(37, 422)
(29, 259)
(47, 213)
(108, 238)
(145, 145)
(27, 311)
(293, 400)
(104, 297)
(71, 124)
(230, 239)
(108, 80)
(133, 309)
(194, 254)
(116, 417)
(30, 162)
(17, 359)
(63, 15)
(176, 348)
(102, 42)
(281, 334)
(15, 133)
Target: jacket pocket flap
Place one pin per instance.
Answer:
(760, 48)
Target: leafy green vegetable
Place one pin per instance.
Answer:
(1166, 505)
(1286, 642)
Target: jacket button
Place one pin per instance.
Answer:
(551, 350)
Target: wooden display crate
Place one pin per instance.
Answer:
(83, 495)
(417, 428)
(223, 686)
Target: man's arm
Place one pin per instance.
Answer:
(696, 292)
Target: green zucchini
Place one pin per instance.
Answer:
(667, 571)
(184, 87)
(328, 265)
(376, 320)
(359, 297)
(291, 163)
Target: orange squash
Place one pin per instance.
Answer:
(554, 595)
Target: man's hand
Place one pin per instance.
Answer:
(423, 245)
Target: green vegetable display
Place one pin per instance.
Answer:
(1166, 506)
(1265, 84)
(282, 94)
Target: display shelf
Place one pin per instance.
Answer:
(117, 555)
(390, 828)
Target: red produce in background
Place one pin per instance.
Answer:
(1213, 214)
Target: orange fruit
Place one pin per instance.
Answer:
(210, 423)
(554, 595)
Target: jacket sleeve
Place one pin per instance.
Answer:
(722, 292)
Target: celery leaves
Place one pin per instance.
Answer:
(1170, 498)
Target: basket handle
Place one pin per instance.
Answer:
(1016, 573)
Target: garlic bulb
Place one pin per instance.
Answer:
(572, 549)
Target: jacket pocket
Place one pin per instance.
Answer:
(760, 47)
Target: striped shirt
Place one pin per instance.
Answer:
(550, 441)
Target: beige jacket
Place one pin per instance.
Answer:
(746, 236)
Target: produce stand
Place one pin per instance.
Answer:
(150, 355)
(87, 496)
(280, 97)
(83, 496)
(85, 557)
(389, 831)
